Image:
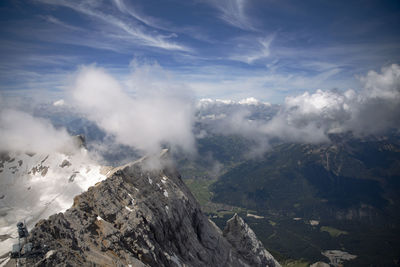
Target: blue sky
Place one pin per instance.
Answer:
(228, 49)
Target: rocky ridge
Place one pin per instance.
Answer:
(141, 216)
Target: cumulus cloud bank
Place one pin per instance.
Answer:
(373, 110)
(311, 117)
(139, 113)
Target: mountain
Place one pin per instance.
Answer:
(142, 216)
(312, 198)
(34, 186)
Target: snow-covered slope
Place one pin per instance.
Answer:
(34, 186)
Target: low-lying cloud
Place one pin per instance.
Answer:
(138, 113)
(311, 117)
(20, 131)
(149, 111)
(372, 110)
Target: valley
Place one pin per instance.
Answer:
(305, 200)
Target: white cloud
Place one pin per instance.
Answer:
(20, 131)
(58, 22)
(252, 101)
(233, 13)
(59, 103)
(384, 85)
(311, 117)
(377, 107)
(150, 109)
(137, 33)
(149, 21)
(150, 116)
(372, 110)
(257, 49)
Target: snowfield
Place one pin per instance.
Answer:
(35, 186)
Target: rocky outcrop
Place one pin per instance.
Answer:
(141, 216)
(245, 242)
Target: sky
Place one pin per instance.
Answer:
(218, 49)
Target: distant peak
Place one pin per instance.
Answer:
(246, 101)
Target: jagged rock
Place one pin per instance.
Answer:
(244, 240)
(65, 163)
(142, 217)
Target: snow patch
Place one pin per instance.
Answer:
(127, 208)
(165, 193)
(49, 253)
(132, 199)
(35, 186)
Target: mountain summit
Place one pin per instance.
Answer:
(142, 216)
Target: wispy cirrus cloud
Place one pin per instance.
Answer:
(233, 13)
(58, 22)
(253, 50)
(134, 11)
(137, 33)
(149, 21)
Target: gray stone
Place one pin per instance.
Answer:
(142, 217)
(245, 242)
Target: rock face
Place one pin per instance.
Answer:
(142, 217)
(244, 240)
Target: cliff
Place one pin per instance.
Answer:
(142, 216)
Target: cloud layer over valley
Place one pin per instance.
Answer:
(311, 117)
(149, 109)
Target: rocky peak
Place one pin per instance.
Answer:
(245, 242)
(140, 216)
